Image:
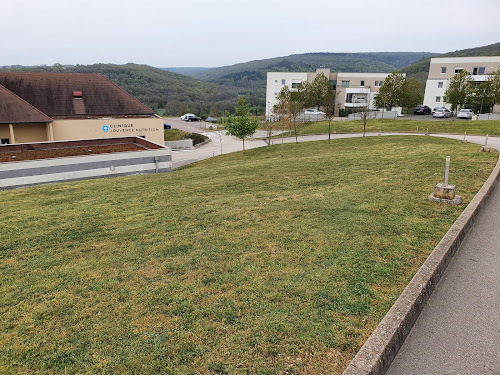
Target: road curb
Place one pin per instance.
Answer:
(380, 349)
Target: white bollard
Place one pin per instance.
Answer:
(447, 170)
(486, 140)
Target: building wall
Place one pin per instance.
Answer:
(276, 80)
(25, 133)
(361, 85)
(437, 81)
(75, 129)
(150, 128)
(490, 63)
(4, 131)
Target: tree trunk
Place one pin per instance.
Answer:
(329, 132)
(295, 127)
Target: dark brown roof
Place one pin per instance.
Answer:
(53, 94)
(14, 110)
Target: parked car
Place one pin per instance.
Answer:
(190, 117)
(313, 111)
(422, 110)
(465, 113)
(441, 112)
(184, 117)
(167, 126)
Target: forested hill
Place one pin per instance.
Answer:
(157, 88)
(308, 62)
(420, 69)
(249, 78)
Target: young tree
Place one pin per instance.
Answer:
(459, 90)
(411, 94)
(241, 125)
(389, 94)
(329, 107)
(317, 92)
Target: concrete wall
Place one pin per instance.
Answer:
(34, 172)
(183, 143)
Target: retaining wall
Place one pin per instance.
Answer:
(33, 172)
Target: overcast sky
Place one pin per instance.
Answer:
(209, 33)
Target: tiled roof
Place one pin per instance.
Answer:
(14, 110)
(54, 94)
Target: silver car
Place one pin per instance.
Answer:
(465, 113)
(441, 112)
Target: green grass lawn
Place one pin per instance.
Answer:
(175, 134)
(491, 127)
(244, 263)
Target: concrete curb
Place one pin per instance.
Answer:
(378, 352)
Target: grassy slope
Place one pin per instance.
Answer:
(246, 263)
(491, 127)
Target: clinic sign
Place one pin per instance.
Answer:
(127, 129)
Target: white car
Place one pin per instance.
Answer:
(465, 113)
(185, 117)
(313, 111)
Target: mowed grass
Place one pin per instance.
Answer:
(246, 263)
(448, 126)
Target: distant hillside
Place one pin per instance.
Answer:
(187, 71)
(249, 78)
(157, 88)
(420, 69)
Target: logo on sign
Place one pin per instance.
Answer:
(105, 128)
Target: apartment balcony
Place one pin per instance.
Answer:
(357, 90)
(356, 103)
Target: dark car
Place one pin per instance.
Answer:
(193, 118)
(422, 110)
(167, 126)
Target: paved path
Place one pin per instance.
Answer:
(458, 332)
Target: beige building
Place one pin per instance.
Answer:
(353, 90)
(39, 107)
(441, 70)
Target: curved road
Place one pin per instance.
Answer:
(458, 332)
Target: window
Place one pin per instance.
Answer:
(333, 84)
(478, 70)
(283, 82)
(345, 83)
(4, 141)
(438, 99)
(295, 85)
(362, 83)
(443, 69)
(348, 98)
(378, 83)
(458, 69)
(440, 85)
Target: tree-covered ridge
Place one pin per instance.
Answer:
(345, 62)
(157, 88)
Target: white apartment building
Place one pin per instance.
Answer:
(353, 90)
(441, 70)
